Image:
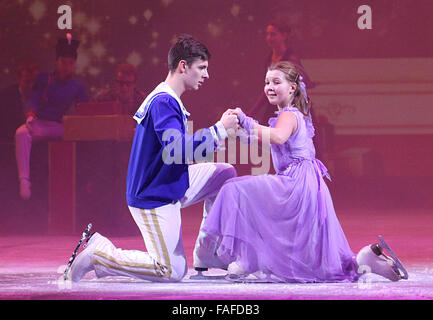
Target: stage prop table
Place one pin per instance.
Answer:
(90, 124)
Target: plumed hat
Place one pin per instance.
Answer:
(66, 47)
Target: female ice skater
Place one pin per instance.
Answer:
(284, 226)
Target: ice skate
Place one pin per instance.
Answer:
(199, 267)
(373, 257)
(206, 262)
(248, 278)
(201, 276)
(235, 273)
(235, 269)
(84, 261)
(85, 236)
(400, 269)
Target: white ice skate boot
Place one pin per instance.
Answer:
(235, 269)
(83, 262)
(205, 257)
(373, 257)
(235, 273)
(206, 261)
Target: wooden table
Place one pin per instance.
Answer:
(62, 162)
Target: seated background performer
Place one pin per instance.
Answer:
(160, 180)
(125, 90)
(50, 99)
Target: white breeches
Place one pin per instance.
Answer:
(161, 230)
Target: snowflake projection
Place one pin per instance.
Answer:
(166, 3)
(93, 71)
(109, 36)
(99, 52)
(148, 14)
(37, 10)
(133, 20)
(173, 40)
(214, 29)
(93, 26)
(98, 49)
(154, 43)
(79, 18)
(134, 58)
(111, 60)
(155, 61)
(90, 59)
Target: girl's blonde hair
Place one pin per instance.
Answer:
(292, 74)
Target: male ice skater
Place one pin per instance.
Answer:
(160, 180)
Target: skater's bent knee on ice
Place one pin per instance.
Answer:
(178, 273)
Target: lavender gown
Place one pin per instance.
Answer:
(284, 225)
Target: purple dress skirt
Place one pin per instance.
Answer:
(284, 226)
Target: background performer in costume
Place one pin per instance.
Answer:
(52, 96)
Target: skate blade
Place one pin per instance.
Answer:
(245, 279)
(399, 265)
(202, 277)
(85, 236)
